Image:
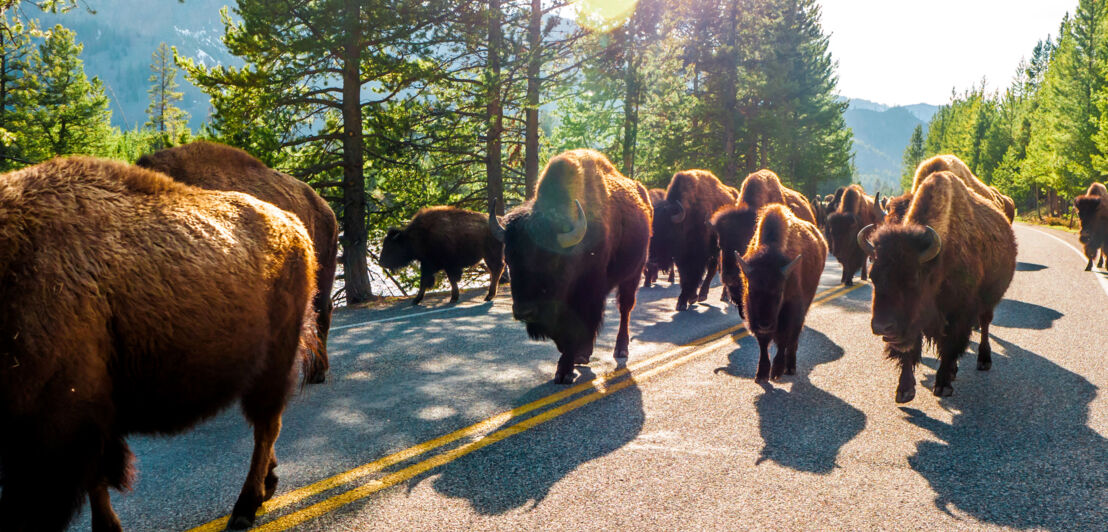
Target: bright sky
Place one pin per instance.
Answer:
(901, 52)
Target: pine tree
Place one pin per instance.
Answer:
(913, 155)
(61, 111)
(168, 120)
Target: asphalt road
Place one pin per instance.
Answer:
(688, 441)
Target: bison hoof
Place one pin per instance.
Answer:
(944, 390)
(488, 298)
(622, 353)
(790, 371)
(849, 282)
(415, 302)
(904, 396)
(1089, 268)
(563, 378)
(682, 306)
(240, 522)
(702, 298)
(984, 365)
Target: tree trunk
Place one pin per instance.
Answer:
(630, 113)
(494, 112)
(355, 232)
(730, 94)
(534, 67)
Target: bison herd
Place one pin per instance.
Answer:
(146, 298)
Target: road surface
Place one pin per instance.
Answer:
(444, 418)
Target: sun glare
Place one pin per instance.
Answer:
(603, 15)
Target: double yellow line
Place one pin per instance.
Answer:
(601, 387)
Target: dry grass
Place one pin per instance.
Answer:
(1055, 222)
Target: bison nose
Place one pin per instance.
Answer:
(882, 326)
(525, 313)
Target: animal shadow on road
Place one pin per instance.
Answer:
(802, 428)
(1018, 452)
(521, 470)
(1029, 267)
(1016, 314)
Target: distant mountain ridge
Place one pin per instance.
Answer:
(881, 132)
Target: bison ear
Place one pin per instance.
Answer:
(494, 224)
(742, 263)
(791, 266)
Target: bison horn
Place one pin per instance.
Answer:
(879, 212)
(934, 248)
(577, 233)
(791, 266)
(863, 239)
(742, 263)
(494, 224)
(679, 216)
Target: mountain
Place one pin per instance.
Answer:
(881, 133)
(121, 36)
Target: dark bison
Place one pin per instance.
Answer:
(218, 167)
(819, 209)
(936, 274)
(655, 262)
(1092, 209)
(682, 231)
(132, 303)
(584, 232)
(734, 225)
(856, 210)
(781, 268)
(444, 238)
(951, 163)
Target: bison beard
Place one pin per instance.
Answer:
(1092, 210)
(936, 274)
(218, 167)
(135, 304)
(584, 233)
(781, 269)
(444, 238)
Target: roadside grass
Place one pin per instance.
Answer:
(1061, 223)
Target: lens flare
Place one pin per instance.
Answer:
(604, 15)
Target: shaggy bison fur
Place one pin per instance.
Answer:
(856, 210)
(219, 167)
(682, 230)
(951, 163)
(132, 303)
(1092, 209)
(781, 268)
(734, 225)
(585, 232)
(938, 273)
(444, 238)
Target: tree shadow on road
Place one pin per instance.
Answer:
(521, 470)
(1016, 314)
(1018, 452)
(804, 427)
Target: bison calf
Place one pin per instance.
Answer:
(444, 238)
(781, 271)
(1092, 209)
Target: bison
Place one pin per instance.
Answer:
(585, 232)
(953, 164)
(655, 262)
(856, 210)
(734, 225)
(444, 238)
(132, 303)
(936, 274)
(219, 167)
(682, 231)
(781, 269)
(819, 209)
(1092, 209)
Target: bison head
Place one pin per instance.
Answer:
(767, 271)
(735, 228)
(546, 252)
(842, 227)
(1088, 208)
(905, 279)
(666, 230)
(396, 250)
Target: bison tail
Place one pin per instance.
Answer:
(312, 353)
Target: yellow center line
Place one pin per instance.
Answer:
(599, 385)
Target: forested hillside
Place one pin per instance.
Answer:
(880, 135)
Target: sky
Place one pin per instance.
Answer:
(902, 52)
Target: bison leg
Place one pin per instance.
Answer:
(626, 300)
(454, 275)
(848, 276)
(42, 490)
(984, 350)
(713, 264)
(1100, 264)
(691, 275)
(779, 362)
(649, 275)
(671, 275)
(864, 275)
(564, 373)
(496, 270)
(906, 387)
(763, 358)
(426, 280)
(103, 516)
(260, 480)
(950, 348)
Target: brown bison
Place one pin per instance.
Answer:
(132, 303)
(682, 232)
(936, 274)
(219, 167)
(1092, 209)
(655, 262)
(734, 225)
(856, 210)
(444, 238)
(781, 269)
(584, 232)
(951, 163)
(819, 209)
